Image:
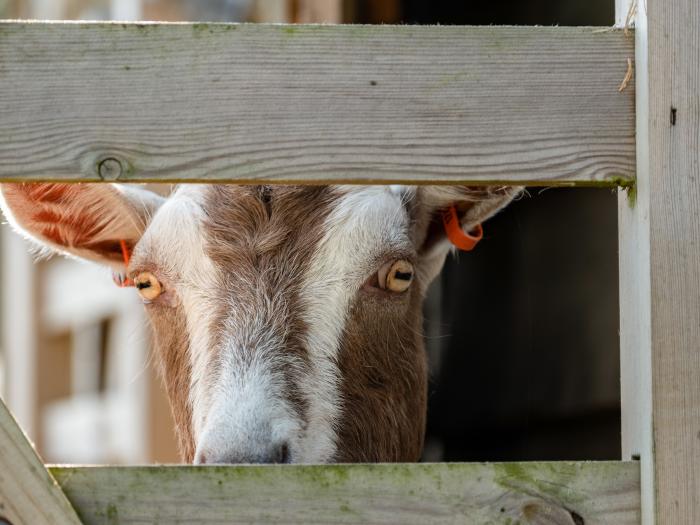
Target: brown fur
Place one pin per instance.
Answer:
(172, 344)
(384, 370)
(384, 381)
(269, 241)
(262, 239)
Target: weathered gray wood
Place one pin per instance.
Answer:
(28, 493)
(622, 13)
(322, 104)
(466, 493)
(660, 252)
(635, 292)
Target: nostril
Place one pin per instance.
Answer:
(283, 454)
(277, 453)
(200, 458)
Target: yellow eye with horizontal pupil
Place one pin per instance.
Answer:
(148, 286)
(399, 277)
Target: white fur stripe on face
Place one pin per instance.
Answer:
(175, 237)
(364, 223)
(249, 419)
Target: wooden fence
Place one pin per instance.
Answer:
(321, 104)
(387, 104)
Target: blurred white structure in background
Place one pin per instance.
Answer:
(106, 418)
(18, 280)
(126, 10)
(48, 9)
(75, 348)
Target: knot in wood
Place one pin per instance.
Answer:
(109, 169)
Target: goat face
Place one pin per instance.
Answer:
(287, 319)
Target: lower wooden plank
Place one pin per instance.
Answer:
(504, 493)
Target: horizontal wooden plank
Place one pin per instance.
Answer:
(315, 103)
(503, 493)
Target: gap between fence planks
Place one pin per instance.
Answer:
(29, 495)
(315, 103)
(465, 493)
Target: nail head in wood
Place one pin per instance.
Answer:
(110, 169)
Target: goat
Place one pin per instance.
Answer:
(287, 319)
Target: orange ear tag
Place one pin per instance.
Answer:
(121, 280)
(464, 241)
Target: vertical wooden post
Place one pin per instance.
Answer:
(660, 266)
(621, 9)
(18, 327)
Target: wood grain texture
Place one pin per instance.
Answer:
(29, 495)
(323, 104)
(466, 493)
(660, 244)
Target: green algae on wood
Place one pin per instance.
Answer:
(499, 493)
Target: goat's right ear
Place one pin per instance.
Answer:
(84, 220)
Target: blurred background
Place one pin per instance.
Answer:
(522, 334)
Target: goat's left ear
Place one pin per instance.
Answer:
(474, 205)
(83, 220)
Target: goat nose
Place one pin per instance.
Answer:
(278, 453)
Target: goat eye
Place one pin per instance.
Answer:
(396, 276)
(148, 286)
